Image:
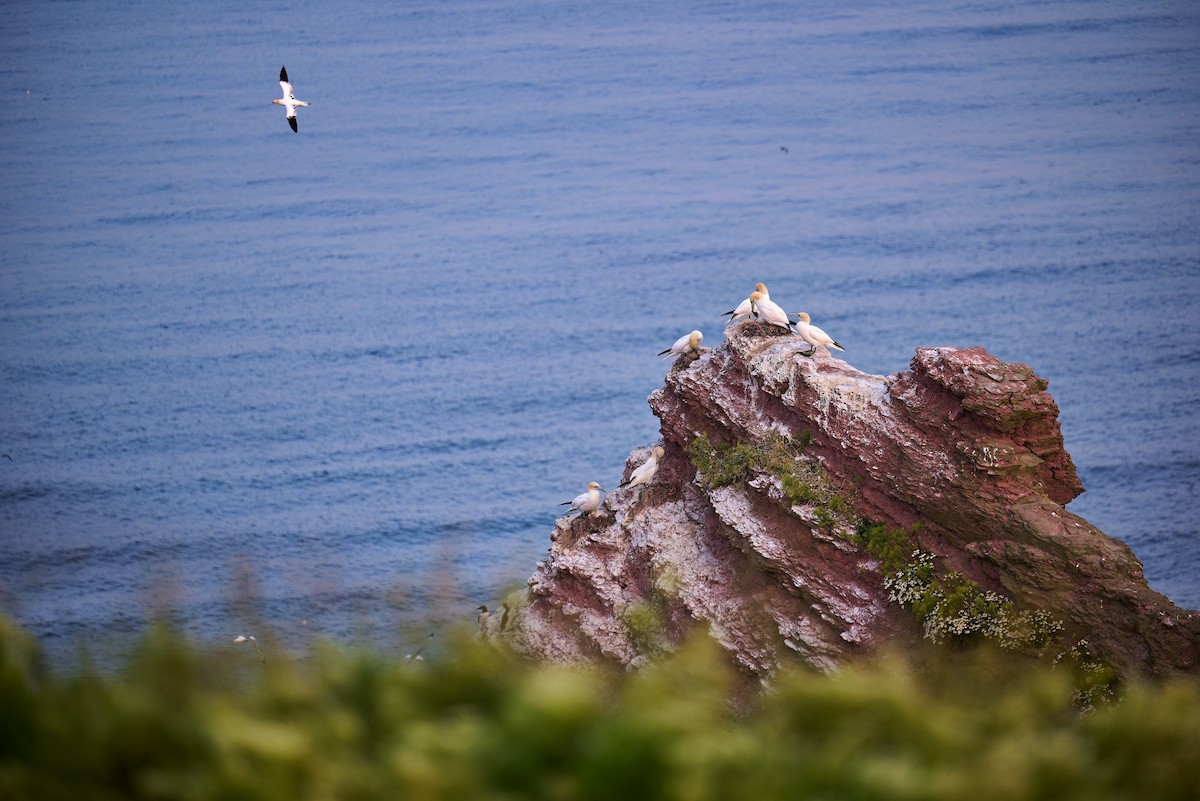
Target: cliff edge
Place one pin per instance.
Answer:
(804, 510)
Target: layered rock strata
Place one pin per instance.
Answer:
(962, 450)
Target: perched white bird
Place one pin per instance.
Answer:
(588, 501)
(685, 344)
(813, 335)
(769, 311)
(646, 470)
(288, 101)
(242, 638)
(745, 308)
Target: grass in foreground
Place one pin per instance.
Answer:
(178, 723)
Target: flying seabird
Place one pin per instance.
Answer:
(242, 638)
(588, 501)
(417, 655)
(768, 310)
(685, 344)
(744, 308)
(288, 101)
(646, 470)
(812, 335)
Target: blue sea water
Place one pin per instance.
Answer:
(333, 381)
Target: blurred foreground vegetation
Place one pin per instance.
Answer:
(183, 723)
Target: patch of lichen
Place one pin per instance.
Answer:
(892, 547)
(644, 623)
(1095, 681)
(721, 466)
(950, 606)
(803, 481)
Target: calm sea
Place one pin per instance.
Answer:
(334, 381)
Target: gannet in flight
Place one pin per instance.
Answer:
(417, 654)
(685, 344)
(766, 309)
(243, 638)
(588, 501)
(288, 101)
(813, 335)
(645, 472)
(744, 308)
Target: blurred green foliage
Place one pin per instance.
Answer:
(183, 723)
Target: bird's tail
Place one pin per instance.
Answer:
(836, 345)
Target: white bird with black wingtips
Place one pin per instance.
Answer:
(745, 308)
(685, 344)
(288, 101)
(812, 335)
(588, 501)
(241, 639)
(767, 310)
(646, 470)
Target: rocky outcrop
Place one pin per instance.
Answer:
(963, 451)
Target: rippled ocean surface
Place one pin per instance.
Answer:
(329, 382)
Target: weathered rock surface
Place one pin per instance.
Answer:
(965, 445)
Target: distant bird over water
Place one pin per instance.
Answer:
(416, 655)
(685, 344)
(288, 101)
(588, 501)
(244, 638)
(812, 335)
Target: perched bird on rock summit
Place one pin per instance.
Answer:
(288, 101)
(812, 335)
(588, 501)
(685, 344)
(646, 470)
(744, 309)
(767, 310)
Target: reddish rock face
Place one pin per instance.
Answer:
(965, 445)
